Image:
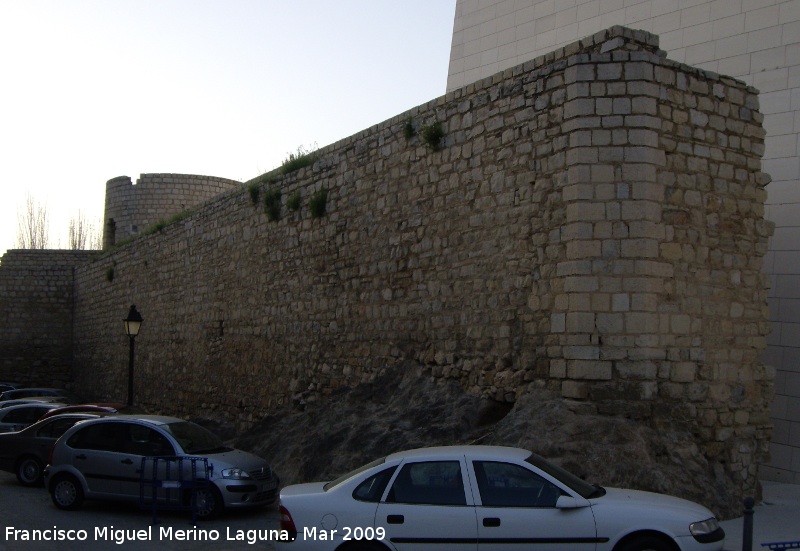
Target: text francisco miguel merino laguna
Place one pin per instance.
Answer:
(164, 533)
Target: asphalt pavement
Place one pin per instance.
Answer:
(125, 526)
(30, 522)
(775, 520)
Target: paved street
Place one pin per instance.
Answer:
(107, 525)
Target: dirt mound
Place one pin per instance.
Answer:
(405, 408)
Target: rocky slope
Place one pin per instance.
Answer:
(405, 409)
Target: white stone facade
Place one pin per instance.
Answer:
(757, 41)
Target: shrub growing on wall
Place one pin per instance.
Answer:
(272, 204)
(432, 135)
(294, 201)
(408, 129)
(299, 159)
(318, 203)
(255, 191)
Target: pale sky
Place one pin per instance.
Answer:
(94, 89)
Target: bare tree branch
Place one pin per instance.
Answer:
(83, 235)
(34, 225)
(78, 232)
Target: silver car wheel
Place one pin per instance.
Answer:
(207, 502)
(66, 493)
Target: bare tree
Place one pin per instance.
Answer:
(96, 236)
(34, 225)
(82, 234)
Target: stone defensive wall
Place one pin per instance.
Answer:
(36, 290)
(589, 222)
(131, 209)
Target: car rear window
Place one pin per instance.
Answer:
(333, 483)
(373, 487)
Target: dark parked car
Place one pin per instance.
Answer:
(66, 396)
(18, 417)
(25, 453)
(7, 385)
(102, 459)
(35, 399)
(103, 407)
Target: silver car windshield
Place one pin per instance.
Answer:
(194, 439)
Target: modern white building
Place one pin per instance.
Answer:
(757, 41)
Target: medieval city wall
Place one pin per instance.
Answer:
(590, 222)
(36, 290)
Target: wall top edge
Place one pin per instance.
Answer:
(617, 43)
(67, 256)
(146, 176)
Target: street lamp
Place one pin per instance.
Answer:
(132, 325)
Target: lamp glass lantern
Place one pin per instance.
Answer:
(133, 322)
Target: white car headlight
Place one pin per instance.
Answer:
(237, 474)
(704, 527)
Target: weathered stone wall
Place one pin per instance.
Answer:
(37, 311)
(155, 198)
(591, 222)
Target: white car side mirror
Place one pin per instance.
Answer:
(569, 502)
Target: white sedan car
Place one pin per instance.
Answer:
(481, 498)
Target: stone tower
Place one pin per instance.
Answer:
(130, 209)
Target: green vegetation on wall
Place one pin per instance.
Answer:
(161, 224)
(295, 201)
(318, 203)
(255, 190)
(432, 135)
(301, 158)
(272, 204)
(408, 129)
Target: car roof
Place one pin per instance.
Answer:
(497, 452)
(25, 392)
(32, 428)
(37, 388)
(31, 400)
(40, 405)
(80, 414)
(150, 419)
(83, 416)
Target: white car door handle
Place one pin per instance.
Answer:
(491, 522)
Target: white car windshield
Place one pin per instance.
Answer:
(194, 439)
(582, 487)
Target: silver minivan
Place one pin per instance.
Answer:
(103, 459)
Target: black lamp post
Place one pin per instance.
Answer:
(132, 325)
